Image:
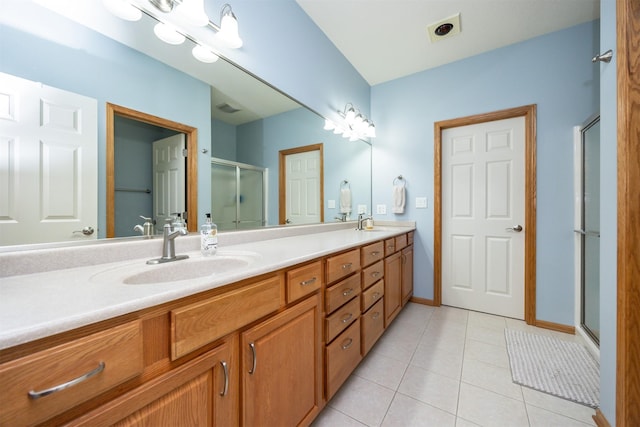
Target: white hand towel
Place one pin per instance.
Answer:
(345, 200)
(398, 199)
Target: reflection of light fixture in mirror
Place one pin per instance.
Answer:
(357, 125)
(204, 54)
(167, 33)
(175, 19)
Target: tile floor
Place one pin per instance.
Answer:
(443, 366)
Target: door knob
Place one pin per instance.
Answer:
(87, 231)
(605, 57)
(516, 228)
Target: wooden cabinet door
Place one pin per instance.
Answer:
(392, 287)
(282, 367)
(407, 274)
(202, 392)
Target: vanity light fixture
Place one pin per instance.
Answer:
(175, 17)
(357, 125)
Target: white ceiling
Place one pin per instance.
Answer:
(387, 39)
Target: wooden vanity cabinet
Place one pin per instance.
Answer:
(202, 392)
(281, 367)
(407, 274)
(392, 287)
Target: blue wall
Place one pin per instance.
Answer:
(553, 71)
(608, 213)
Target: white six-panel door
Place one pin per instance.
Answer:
(168, 178)
(483, 215)
(48, 163)
(303, 187)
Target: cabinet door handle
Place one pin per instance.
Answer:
(347, 292)
(38, 394)
(225, 369)
(375, 273)
(253, 352)
(375, 315)
(346, 317)
(347, 343)
(308, 282)
(347, 266)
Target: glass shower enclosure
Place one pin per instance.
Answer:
(238, 195)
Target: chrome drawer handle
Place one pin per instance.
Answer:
(225, 369)
(374, 253)
(375, 295)
(38, 394)
(375, 273)
(348, 344)
(346, 317)
(253, 352)
(375, 315)
(347, 266)
(308, 282)
(347, 292)
(390, 247)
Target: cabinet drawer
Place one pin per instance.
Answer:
(389, 246)
(372, 274)
(372, 326)
(342, 356)
(204, 322)
(342, 265)
(342, 318)
(303, 281)
(372, 295)
(341, 292)
(112, 356)
(401, 241)
(372, 253)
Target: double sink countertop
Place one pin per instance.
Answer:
(51, 300)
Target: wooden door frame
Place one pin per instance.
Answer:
(282, 179)
(529, 114)
(628, 257)
(191, 178)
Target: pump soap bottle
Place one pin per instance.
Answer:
(208, 237)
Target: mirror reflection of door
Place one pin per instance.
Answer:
(134, 187)
(301, 185)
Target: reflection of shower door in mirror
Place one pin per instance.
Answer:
(238, 195)
(589, 231)
(168, 178)
(48, 163)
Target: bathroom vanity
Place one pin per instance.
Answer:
(265, 335)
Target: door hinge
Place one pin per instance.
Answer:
(184, 152)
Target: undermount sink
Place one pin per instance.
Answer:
(188, 269)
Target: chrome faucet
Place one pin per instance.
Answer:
(361, 219)
(342, 217)
(168, 244)
(146, 229)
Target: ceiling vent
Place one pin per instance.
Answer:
(444, 28)
(227, 108)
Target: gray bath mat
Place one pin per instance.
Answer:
(561, 368)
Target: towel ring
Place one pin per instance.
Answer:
(345, 184)
(400, 179)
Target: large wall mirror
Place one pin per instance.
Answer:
(239, 119)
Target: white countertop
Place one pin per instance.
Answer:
(34, 306)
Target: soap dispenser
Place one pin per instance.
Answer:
(208, 237)
(178, 222)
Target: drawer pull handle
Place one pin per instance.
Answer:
(375, 295)
(375, 315)
(347, 266)
(347, 292)
(308, 282)
(253, 352)
(38, 394)
(225, 369)
(374, 253)
(347, 343)
(346, 317)
(375, 273)
(390, 247)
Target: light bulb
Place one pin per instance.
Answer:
(371, 131)
(229, 31)
(168, 34)
(193, 11)
(204, 54)
(329, 125)
(351, 115)
(123, 9)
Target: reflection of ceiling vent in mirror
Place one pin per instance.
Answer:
(227, 108)
(444, 28)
